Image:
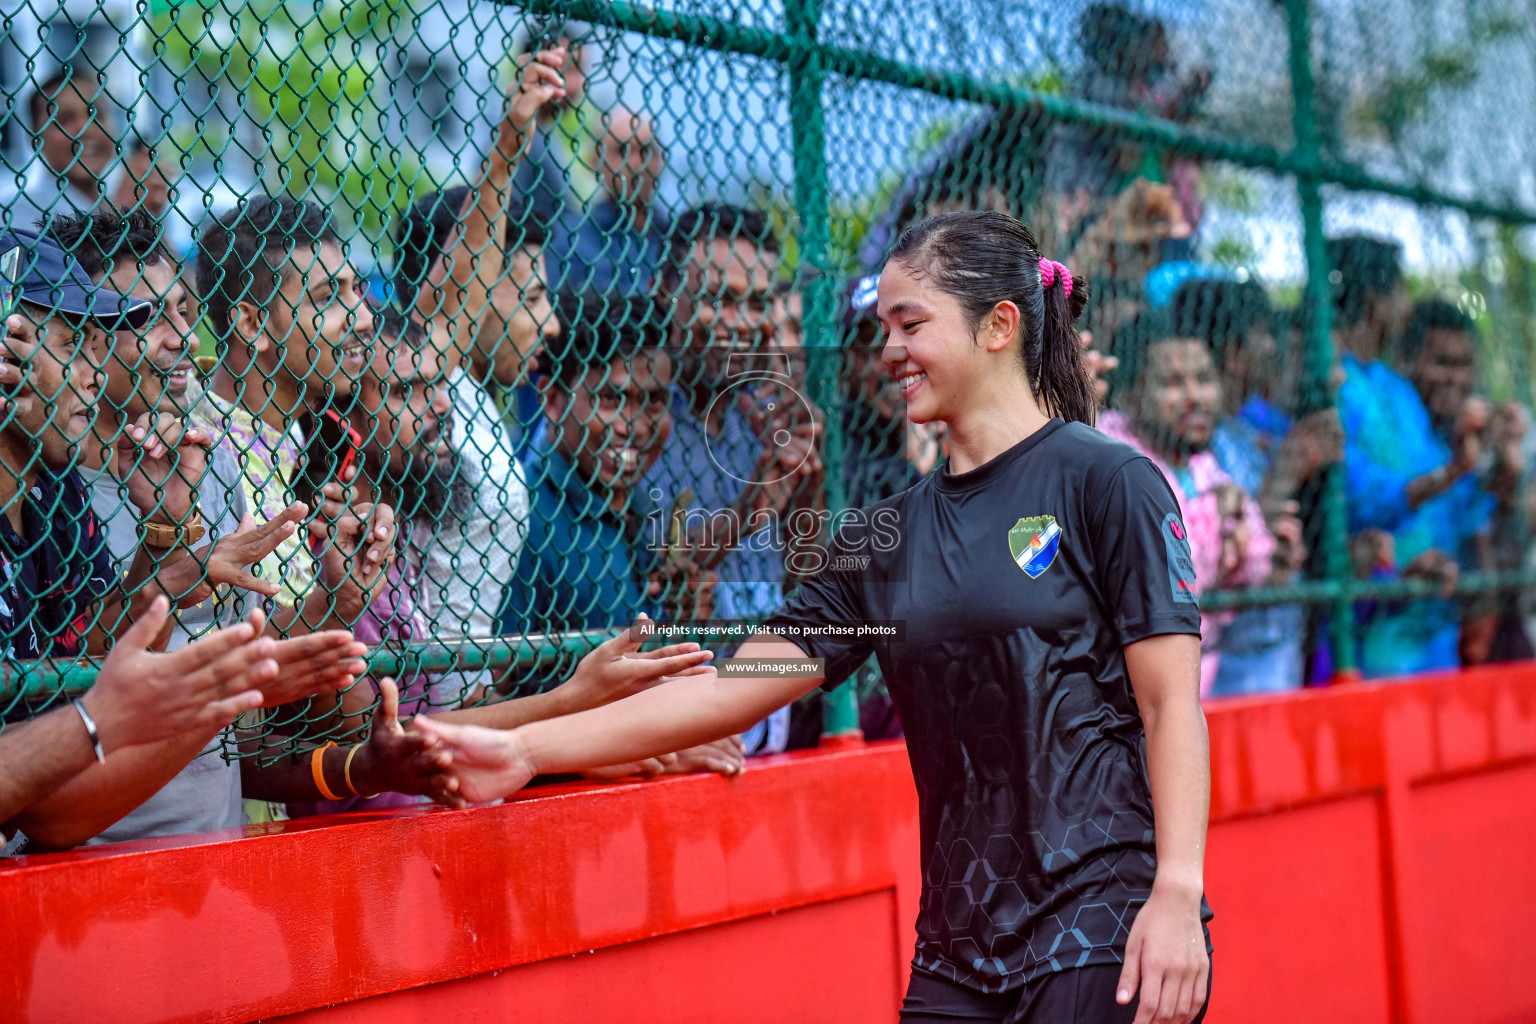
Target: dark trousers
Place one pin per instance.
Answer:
(1084, 995)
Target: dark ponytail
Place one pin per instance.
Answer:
(983, 258)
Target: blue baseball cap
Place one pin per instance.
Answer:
(36, 269)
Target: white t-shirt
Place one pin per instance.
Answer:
(465, 564)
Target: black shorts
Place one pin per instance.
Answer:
(1082, 995)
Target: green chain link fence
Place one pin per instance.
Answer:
(1153, 146)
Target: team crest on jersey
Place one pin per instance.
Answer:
(1033, 542)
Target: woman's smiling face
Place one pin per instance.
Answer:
(930, 347)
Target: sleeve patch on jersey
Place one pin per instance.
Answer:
(1181, 562)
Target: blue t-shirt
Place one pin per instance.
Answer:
(584, 566)
(1389, 440)
(1261, 647)
(1245, 444)
(716, 469)
(600, 250)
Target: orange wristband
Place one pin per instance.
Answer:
(317, 769)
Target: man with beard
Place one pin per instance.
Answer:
(1166, 398)
(407, 457)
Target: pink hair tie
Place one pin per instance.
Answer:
(1049, 269)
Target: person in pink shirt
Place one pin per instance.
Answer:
(1165, 398)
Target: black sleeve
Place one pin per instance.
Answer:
(1141, 554)
(832, 596)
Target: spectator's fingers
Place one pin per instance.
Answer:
(261, 542)
(332, 645)
(714, 761)
(248, 667)
(445, 792)
(543, 76)
(245, 581)
(222, 712)
(621, 644)
(1450, 575)
(386, 717)
(554, 56)
(204, 651)
(143, 632)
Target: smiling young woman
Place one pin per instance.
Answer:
(1047, 677)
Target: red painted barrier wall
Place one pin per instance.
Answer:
(1372, 858)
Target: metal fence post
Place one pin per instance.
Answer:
(1317, 318)
(822, 340)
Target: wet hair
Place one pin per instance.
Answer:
(99, 239)
(243, 254)
(1221, 312)
(1363, 268)
(601, 328)
(1432, 315)
(984, 258)
(428, 223)
(706, 223)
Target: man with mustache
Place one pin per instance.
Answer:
(405, 419)
(1166, 397)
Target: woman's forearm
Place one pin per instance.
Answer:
(1165, 674)
(678, 714)
(1178, 761)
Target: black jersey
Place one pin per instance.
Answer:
(1019, 584)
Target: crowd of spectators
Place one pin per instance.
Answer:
(227, 470)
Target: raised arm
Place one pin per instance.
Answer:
(459, 287)
(680, 713)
